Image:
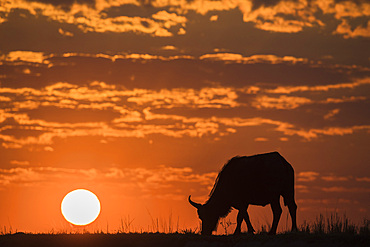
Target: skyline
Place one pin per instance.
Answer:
(142, 102)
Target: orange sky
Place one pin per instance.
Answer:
(142, 102)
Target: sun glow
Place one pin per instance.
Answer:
(80, 207)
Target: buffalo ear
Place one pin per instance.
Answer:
(194, 204)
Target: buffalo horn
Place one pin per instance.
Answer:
(194, 204)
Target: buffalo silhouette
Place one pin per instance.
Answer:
(257, 180)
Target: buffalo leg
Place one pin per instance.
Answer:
(243, 214)
(276, 211)
(293, 214)
(292, 206)
(249, 224)
(239, 220)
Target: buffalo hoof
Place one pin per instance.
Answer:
(295, 230)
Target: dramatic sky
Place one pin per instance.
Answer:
(143, 102)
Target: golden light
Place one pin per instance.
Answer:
(80, 207)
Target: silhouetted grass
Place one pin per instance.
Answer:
(334, 224)
(326, 230)
(163, 225)
(126, 225)
(6, 230)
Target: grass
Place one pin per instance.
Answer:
(332, 223)
(126, 225)
(6, 230)
(326, 230)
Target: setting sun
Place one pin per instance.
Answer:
(80, 207)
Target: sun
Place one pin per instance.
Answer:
(80, 207)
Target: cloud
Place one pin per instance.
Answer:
(344, 99)
(2, 19)
(340, 189)
(284, 127)
(307, 176)
(278, 17)
(331, 113)
(162, 174)
(333, 178)
(333, 131)
(261, 58)
(156, 182)
(18, 176)
(294, 16)
(65, 33)
(349, 85)
(213, 18)
(32, 176)
(302, 188)
(123, 24)
(171, 19)
(293, 102)
(363, 179)
(283, 102)
(117, 112)
(132, 56)
(223, 56)
(181, 31)
(261, 139)
(199, 6)
(48, 149)
(95, 97)
(311, 176)
(5, 99)
(65, 4)
(175, 126)
(273, 16)
(346, 30)
(331, 201)
(313, 184)
(25, 56)
(92, 18)
(70, 93)
(204, 98)
(310, 134)
(169, 48)
(66, 95)
(20, 163)
(51, 130)
(342, 9)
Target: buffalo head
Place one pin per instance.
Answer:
(209, 219)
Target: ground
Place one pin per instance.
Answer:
(186, 240)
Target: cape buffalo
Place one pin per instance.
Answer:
(258, 180)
